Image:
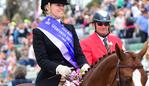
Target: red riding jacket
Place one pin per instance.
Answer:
(93, 46)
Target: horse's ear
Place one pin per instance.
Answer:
(143, 50)
(119, 52)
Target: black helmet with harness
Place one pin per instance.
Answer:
(101, 16)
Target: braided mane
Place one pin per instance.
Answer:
(87, 74)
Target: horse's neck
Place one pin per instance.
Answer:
(102, 72)
(106, 68)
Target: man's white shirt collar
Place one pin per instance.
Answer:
(101, 38)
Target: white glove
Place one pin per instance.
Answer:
(85, 67)
(63, 70)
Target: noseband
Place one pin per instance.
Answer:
(118, 66)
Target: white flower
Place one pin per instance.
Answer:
(110, 44)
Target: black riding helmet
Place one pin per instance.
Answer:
(101, 16)
(45, 2)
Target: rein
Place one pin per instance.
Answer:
(117, 75)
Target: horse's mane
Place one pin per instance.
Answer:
(93, 66)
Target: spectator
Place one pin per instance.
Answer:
(142, 25)
(24, 60)
(31, 56)
(119, 23)
(130, 27)
(19, 76)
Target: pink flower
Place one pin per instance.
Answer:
(74, 78)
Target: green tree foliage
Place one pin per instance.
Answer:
(12, 8)
(20, 9)
(94, 3)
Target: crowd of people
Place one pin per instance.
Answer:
(20, 42)
(125, 18)
(15, 48)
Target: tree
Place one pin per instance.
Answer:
(94, 3)
(23, 8)
(11, 8)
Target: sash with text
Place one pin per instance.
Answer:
(60, 36)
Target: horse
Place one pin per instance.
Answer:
(118, 69)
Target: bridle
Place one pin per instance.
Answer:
(117, 75)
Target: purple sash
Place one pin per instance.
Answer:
(60, 36)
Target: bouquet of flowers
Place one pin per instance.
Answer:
(75, 78)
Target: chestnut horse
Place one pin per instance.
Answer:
(118, 69)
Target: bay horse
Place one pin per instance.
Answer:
(117, 69)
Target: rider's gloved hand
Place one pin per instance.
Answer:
(63, 70)
(85, 67)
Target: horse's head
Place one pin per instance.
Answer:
(129, 69)
(118, 69)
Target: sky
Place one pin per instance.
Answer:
(2, 6)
